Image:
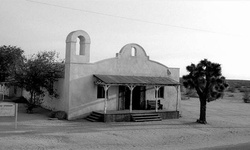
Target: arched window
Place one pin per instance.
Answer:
(80, 45)
(133, 51)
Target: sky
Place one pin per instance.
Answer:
(175, 33)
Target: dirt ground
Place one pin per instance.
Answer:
(228, 124)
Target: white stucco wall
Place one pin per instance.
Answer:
(79, 91)
(48, 101)
(58, 103)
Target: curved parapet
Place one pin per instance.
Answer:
(132, 50)
(83, 54)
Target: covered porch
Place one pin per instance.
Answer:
(136, 87)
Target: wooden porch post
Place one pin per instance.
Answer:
(131, 87)
(156, 97)
(106, 87)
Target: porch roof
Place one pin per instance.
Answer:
(134, 80)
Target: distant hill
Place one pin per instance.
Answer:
(234, 83)
(238, 83)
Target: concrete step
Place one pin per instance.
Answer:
(146, 117)
(146, 120)
(91, 120)
(148, 114)
(94, 117)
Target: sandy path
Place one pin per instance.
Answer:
(229, 123)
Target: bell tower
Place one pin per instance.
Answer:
(73, 54)
(77, 54)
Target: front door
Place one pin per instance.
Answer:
(138, 98)
(123, 96)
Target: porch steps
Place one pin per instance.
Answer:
(95, 117)
(146, 117)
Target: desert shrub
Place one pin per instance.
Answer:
(231, 89)
(184, 97)
(244, 89)
(61, 115)
(237, 86)
(191, 93)
(246, 95)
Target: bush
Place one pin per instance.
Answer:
(192, 93)
(184, 97)
(244, 89)
(231, 89)
(246, 96)
(61, 115)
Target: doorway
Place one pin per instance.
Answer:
(138, 100)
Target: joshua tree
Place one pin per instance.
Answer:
(207, 80)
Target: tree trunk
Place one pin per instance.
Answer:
(30, 104)
(202, 111)
(31, 97)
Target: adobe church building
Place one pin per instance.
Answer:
(129, 82)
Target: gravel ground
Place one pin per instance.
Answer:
(228, 124)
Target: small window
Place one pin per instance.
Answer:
(78, 46)
(133, 51)
(82, 45)
(160, 92)
(100, 92)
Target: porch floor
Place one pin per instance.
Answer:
(126, 111)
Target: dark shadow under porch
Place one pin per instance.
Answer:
(127, 116)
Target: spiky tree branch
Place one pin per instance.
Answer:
(207, 80)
